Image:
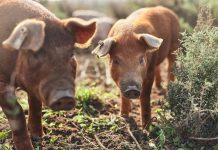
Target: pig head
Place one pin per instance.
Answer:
(37, 54)
(129, 62)
(46, 66)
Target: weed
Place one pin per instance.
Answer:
(94, 125)
(4, 135)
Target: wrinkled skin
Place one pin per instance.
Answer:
(37, 54)
(136, 47)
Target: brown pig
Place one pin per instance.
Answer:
(37, 54)
(136, 46)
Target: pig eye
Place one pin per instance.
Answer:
(116, 62)
(142, 60)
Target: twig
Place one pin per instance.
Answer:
(108, 131)
(133, 137)
(83, 135)
(76, 126)
(99, 143)
(88, 140)
(204, 139)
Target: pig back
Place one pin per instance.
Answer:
(161, 22)
(13, 12)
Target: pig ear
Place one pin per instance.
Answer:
(82, 30)
(152, 41)
(104, 47)
(27, 35)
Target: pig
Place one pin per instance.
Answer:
(136, 47)
(37, 55)
(103, 24)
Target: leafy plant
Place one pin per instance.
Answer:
(3, 135)
(193, 96)
(88, 99)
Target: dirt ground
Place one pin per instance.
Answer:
(93, 69)
(63, 133)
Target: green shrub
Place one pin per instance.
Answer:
(193, 96)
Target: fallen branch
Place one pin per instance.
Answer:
(99, 143)
(204, 139)
(133, 137)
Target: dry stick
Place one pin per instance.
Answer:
(204, 139)
(104, 132)
(99, 143)
(76, 126)
(133, 137)
(83, 135)
(88, 140)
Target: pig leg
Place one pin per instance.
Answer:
(145, 99)
(16, 119)
(158, 81)
(125, 107)
(35, 117)
(107, 75)
(158, 77)
(171, 60)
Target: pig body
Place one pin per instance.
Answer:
(103, 26)
(136, 46)
(36, 54)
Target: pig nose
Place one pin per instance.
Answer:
(62, 100)
(132, 92)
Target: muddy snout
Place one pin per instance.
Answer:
(62, 100)
(131, 90)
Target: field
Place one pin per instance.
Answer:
(95, 123)
(186, 118)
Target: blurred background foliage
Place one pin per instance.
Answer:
(186, 10)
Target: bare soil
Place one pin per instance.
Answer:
(62, 133)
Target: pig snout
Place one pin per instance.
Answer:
(62, 100)
(131, 90)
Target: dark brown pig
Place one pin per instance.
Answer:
(136, 46)
(37, 54)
